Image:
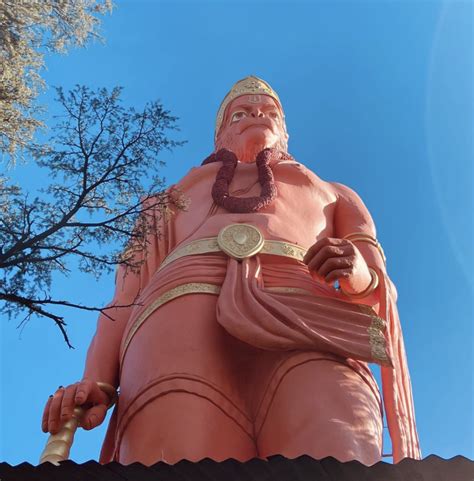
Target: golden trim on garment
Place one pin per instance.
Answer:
(190, 288)
(378, 344)
(289, 290)
(285, 249)
(201, 246)
(247, 86)
(209, 245)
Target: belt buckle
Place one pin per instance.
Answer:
(240, 241)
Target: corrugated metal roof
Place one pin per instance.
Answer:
(277, 468)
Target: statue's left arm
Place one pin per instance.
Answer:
(353, 224)
(354, 257)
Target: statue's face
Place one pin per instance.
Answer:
(252, 123)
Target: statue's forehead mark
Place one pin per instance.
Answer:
(254, 99)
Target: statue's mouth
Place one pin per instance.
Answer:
(261, 125)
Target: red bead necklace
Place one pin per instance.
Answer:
(220, 189)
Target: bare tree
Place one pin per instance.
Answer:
(29, 29)
(102, 162)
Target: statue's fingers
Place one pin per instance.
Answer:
(311, 252)
(315, 248)
(338, 274)
(82, 392)
(94, 416)
(334, 263)
(55, 411)
(44, 420)
(325, 253)
(97, 396)
(67, 406)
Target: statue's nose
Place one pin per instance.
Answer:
(257, 113)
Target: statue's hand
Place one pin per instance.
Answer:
(60, 406)
(331, 259)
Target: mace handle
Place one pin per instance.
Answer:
(59, 445)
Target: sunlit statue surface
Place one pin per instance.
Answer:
(254, 316)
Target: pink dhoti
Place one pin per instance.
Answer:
(267, 366)
(222, 358)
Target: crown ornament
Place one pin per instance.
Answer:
(247, 86)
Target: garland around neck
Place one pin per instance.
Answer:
(220, 189)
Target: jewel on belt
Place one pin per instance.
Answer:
(240, 240)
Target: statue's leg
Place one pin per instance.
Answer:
(180, 388)
(182, 425)
(323, 408)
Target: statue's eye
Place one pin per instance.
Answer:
(274, 115)
(236, 116)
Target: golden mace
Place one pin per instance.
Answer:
(59, 445)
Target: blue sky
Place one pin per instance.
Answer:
(377, 94)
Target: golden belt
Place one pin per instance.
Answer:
(238, 241)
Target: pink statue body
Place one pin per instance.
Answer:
(238, 343)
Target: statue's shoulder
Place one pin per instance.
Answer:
(351, 206)
(197, 175)
(344, 192)
(302, 175)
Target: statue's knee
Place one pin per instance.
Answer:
(183, 425)
(322, 408)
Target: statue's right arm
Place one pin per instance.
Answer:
(102, 362)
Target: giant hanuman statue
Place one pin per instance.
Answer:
(252, 317)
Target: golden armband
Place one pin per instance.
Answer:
(363, 237)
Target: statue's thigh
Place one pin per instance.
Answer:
(323, 408)
(181, 425)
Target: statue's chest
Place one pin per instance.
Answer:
(302, 212)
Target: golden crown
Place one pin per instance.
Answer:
(247, 86)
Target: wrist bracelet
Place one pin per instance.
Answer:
(110, 391)
(371, 287)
